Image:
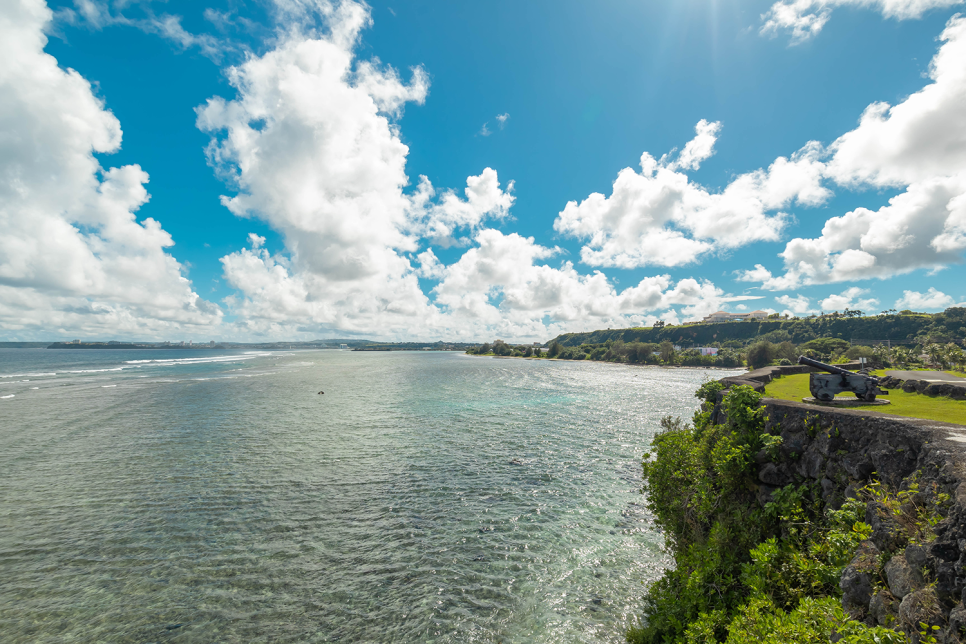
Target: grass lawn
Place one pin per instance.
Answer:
(912, 405)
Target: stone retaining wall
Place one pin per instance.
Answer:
(891, 581)
(948, 389)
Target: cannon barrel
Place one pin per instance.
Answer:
(827, 367)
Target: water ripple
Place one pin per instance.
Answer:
(423, 498)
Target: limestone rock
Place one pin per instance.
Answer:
(957, 624)
(909, 386)
(812, 464)
(917, 608)
(916, 556)
(903, 578)
(770, 474)
(856, 581)
(884, 608)
(887, 534)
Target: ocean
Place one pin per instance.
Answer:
(216, 496)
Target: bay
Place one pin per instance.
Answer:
(199, 496)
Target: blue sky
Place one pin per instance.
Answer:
(329, 235)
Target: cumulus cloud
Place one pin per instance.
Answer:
(850, 298)
(698, 149)
(798, 305)
(502, 283)
(931, 299)
(659, 217)
(919, 144)
(73, 254)
(312, 147)
(502, 119)
(439, 220)
(804, 19)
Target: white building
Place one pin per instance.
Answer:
(724, 316)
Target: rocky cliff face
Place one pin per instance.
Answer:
(912, 570)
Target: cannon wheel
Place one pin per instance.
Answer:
(824, 395)
(866, 397)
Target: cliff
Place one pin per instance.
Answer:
(777, 512)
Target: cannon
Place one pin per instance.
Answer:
(837, 380)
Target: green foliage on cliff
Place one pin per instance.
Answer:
(743, 573)
(914, 328)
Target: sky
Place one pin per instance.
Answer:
(252, 170)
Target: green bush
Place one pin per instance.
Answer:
(826, 346)
(743, 574)
(856, 352)
(760, 355)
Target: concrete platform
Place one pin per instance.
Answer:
(844, 402)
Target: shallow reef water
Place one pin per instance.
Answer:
(198, 496)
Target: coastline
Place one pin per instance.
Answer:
(625, 364)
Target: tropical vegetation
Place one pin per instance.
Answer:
(744, 572)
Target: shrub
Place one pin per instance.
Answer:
(744, 574)
(787, 351)
(826, 346)
(760, 355)
(856, 352)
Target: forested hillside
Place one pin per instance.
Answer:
(906, 328)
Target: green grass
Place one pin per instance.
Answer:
(912, 405)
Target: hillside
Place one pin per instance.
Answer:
(907, 329)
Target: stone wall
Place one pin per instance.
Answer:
(892, 581)
(947, 389)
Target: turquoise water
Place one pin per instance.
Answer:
(424, 497)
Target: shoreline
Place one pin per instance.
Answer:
(625, 364)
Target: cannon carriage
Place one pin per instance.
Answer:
(836, 380)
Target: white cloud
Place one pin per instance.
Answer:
(698, 149)
(73, 254)
(329, 175)
(439, 221)
(931, 299)
(99, 14)
(502, 119)
(502, 284)
(922, 137)
(659, 217)
(310, 144)
(799, 305)
(804, 19)
(485, 131)
(850, 298)
(920, 144)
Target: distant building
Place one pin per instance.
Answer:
(708, 351)
(211, 344)
(724, 316)
(343, 346)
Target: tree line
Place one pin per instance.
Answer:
(759, 354)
